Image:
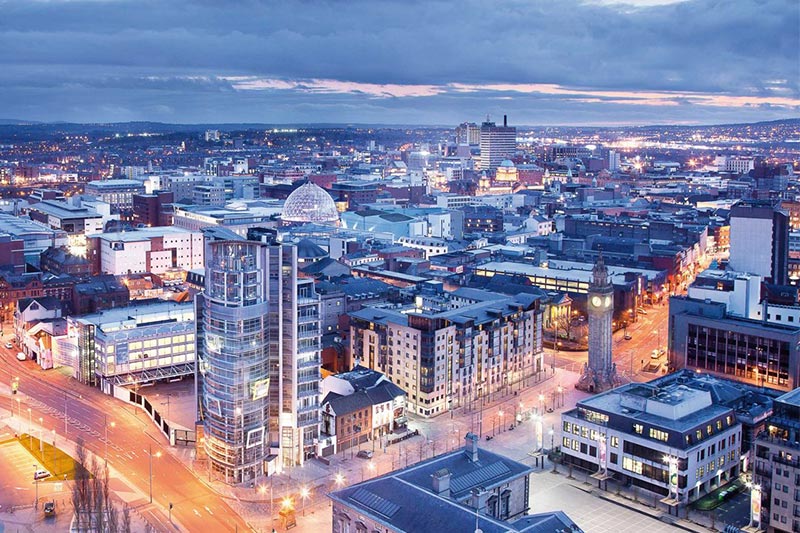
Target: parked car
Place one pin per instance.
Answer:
(655, 355)
(364, 454)
(9, 346)
(627, 337)
(21, 356)
(641, 310)
(41, 474)
(50, 509)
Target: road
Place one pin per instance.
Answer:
(633, 357)
(130, 441)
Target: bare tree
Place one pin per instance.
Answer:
(126, 519)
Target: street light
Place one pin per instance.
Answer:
(30, 430)
(41, 446)
(541, 402)
(501, 420)
(150, 455)
(304, 493)
(113, 424)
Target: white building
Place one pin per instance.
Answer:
(677, 436)
(138, 344)
(154, 250)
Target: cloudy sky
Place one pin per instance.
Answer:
(400, 62)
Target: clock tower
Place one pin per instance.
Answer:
(599, 373)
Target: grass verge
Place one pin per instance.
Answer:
(58, 463)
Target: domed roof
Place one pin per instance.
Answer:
(310, 203)
(507, 163)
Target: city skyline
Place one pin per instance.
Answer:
(565, 63)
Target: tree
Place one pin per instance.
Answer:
(126, 519)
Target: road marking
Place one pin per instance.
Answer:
(209, 510)
(196, 512)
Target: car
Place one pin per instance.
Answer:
(364, 454)
(40, 474)
(655, 355)
(9, 346)
(641, 311)
(627, 337)
(50, 509)
(21, 356)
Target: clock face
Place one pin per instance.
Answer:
(596, 301)
(607, 302)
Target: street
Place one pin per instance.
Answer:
(48, 393)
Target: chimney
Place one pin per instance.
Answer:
(471, 447)
(441, 482)
(505, 121)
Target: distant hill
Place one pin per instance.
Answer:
(17, 122)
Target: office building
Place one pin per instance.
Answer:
(135, 345)
(703, 336)
(117, 192)
(258, 367)
(468, 133)
(77, 222)
(759, 241)
(469, 489)
(776, 472)
(679, 436)
(497, 144)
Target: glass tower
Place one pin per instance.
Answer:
(258, 365)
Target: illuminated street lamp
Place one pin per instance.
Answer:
(304, 493)
(150, 454)
(113, 424)
(501, 420)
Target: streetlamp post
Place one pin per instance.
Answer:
(30, 430)
(113, 424)
(150, 454)
(36, 482)
(501, 421)
(41, 446)
(304, 493)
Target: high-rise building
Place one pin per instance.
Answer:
(759, 241)
(497, 143)
(258, 369)
(468, 133)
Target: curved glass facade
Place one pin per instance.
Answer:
(258, 359)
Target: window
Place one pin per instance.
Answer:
(659, 435)
(632, 465)
(638, 429)
(614, 442)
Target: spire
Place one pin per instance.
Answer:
(600, 271)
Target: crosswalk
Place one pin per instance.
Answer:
(73, 422)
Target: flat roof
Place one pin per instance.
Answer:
(63, 210)
(143, 234)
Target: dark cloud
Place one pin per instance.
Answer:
(121, 60)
